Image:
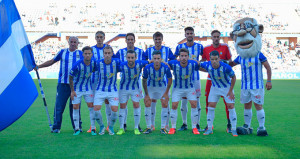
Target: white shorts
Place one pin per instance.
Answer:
(87, 95)
(136, 95)
(255, 95)
(156, 92)
(177, 94)
(216, 93)
(112, 97)
(197, 86)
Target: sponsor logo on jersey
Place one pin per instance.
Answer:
(249, 64)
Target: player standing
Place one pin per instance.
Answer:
(107, 88)
(166, 55)
(223, 80)
(121, 54)
(80, 84)
(196, 50)
(130, 87)
(183, 86)
(155, 87)
(225, 54)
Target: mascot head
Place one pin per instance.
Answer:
(246, 36)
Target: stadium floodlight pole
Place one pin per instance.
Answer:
(44, 99)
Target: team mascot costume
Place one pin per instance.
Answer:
(248, 45)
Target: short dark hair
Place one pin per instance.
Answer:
(158, 34)
(130, 51)
(100, 32)
(214, 53)
(183, 50)
(188, 28)
(87, 48)
(109, 47)
(156, 52)
(215, 31)
(130, 34)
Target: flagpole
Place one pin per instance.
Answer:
(44, 99)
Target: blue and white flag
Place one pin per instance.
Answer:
(17, 89)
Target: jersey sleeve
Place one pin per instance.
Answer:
(171, 55)
(204, 65)
(145, 73)
(74, 70)
(228, 53)
(171, 64)
(95, 69)
(262, 57)
(57, 57)
(204, 54)
(145, 55)
(118, 55)
(238, 60)
(118, 65)
(177, 50)
(229, 70)
(201, 49)
(168, 72)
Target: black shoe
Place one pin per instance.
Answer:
(125, 127)
(183, 127)
(140, 129)
(261, 131)
(147, 131)
(228, 130)
(198, 127)
(244, 130)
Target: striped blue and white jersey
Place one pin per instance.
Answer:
(220, 77)
(252, 76)
(195, 52)
(108, 75)
(183, 75)
(130, 76)
(67, 60)
(166, 53)
(121, 54)
(98, 52)
(82, 75)
(155, 78)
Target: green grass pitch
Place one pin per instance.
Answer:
(30, 137)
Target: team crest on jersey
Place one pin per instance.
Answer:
(110, 75)
(158, 78)
(221, 53)
(219, 78)
(193, 56)
(134, 76)
(185, 76)
(87, 75)
(249, 64)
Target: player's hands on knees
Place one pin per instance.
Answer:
(106, 101)
(165, 97)
(147, 101)
(73, 94)
(269, 85)
(230, 95)
(36, 68)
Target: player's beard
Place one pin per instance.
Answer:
(253, 50)
(130, 64)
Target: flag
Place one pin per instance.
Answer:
(17, 89)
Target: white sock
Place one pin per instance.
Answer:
(92, 117)
(108, 113)
(233, 118)
(210, 117)
(148, 116)
(137, 116)
(184, 110)
(113, 118)
(122, 113)
(98, 117)
(248, 116)
(164, 117)
(168, 114)
(173, 117)
(126, 112)
(261, 117)
(194, 117)
(153, 112)
(76, 118)
(198, 110)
